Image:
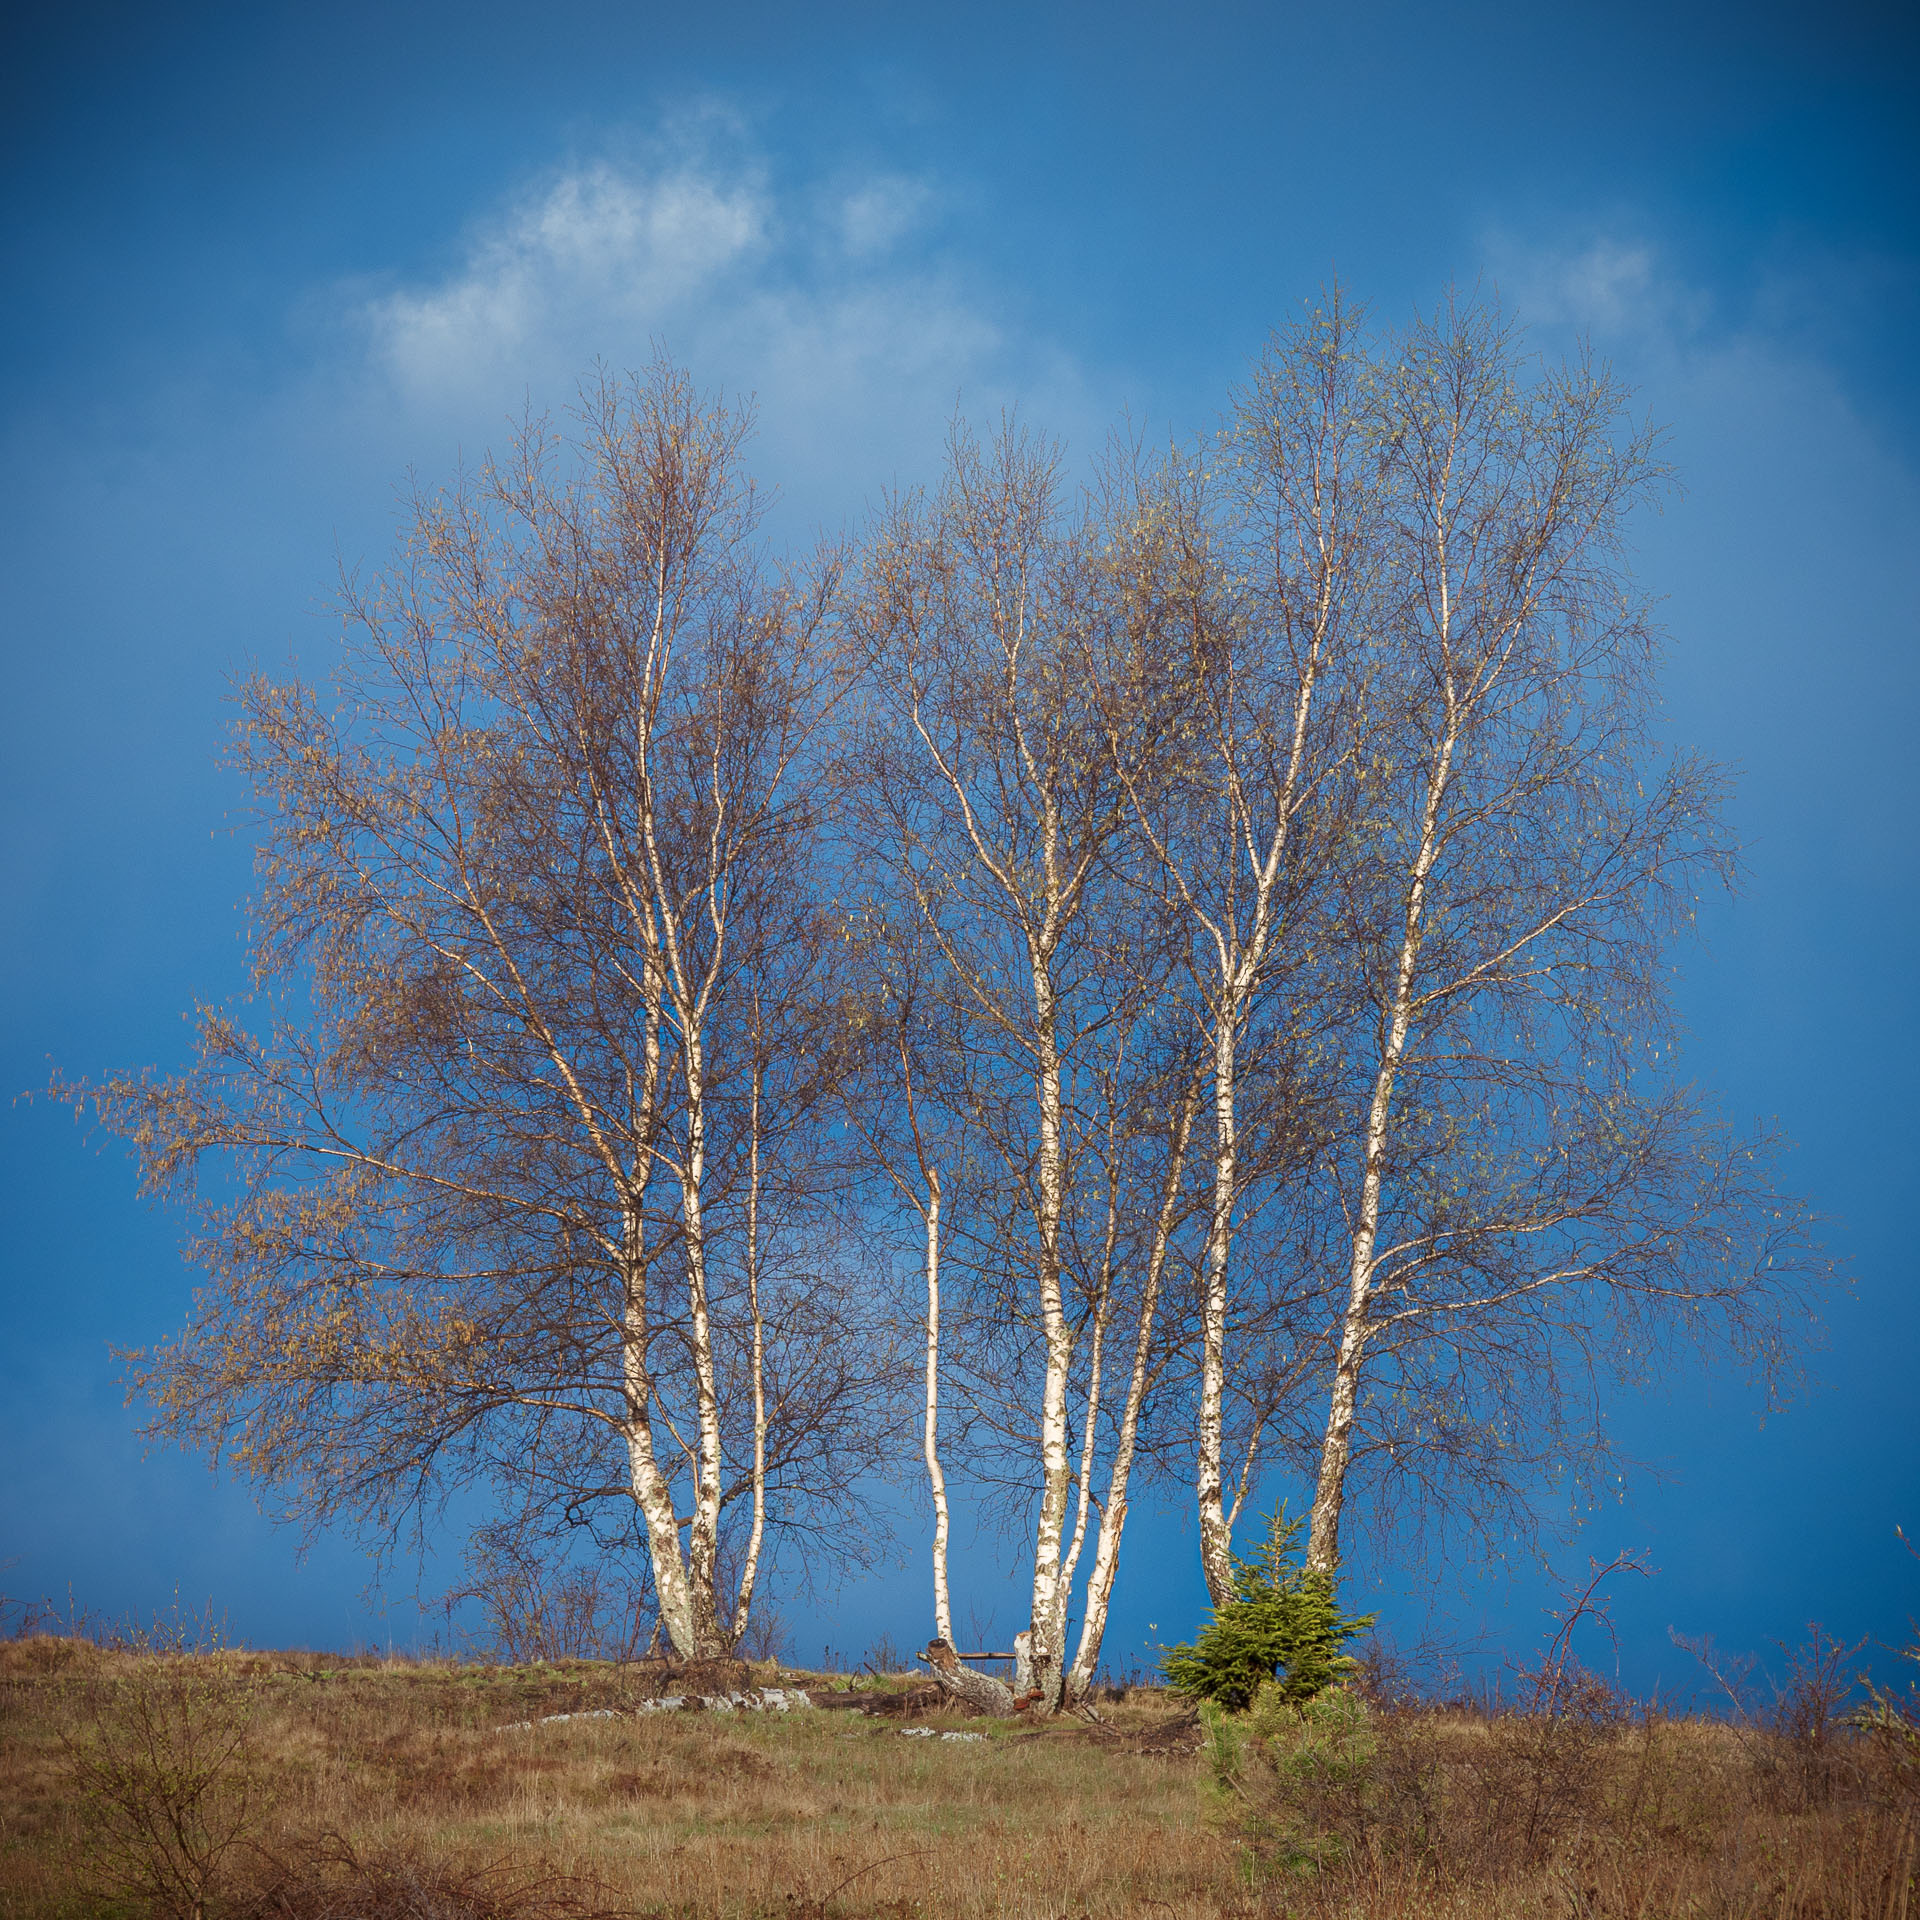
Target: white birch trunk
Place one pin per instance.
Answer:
(651, 1487)
(1090, 1431)
(1056, 1466)
(652, 1492)
(1113, 1516)
(750, 1567)
(1216, 1531)
(936, 1479)
(703, 1541)
(689, 1008)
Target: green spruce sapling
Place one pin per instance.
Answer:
(1283, 1623)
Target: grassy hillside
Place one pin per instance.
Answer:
(365, 1788)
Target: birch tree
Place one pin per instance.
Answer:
(1529, 1201)
(987, 800)
(1271, 562)
(518, 1170)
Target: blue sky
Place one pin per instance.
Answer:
(263, 260)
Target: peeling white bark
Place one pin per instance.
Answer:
(1089, 1435)
(750, 1566)
(936, 1479)
(651, 1490)
(1050, 1590)
(1241, 960)
(703, 1537)
(689, 998)
(1216, 1533)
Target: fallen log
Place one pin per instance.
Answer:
(981, 1691)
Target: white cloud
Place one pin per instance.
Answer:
(874, 216)
(1608, 285)
(1611, 287)
(594, 247)
(857, 338)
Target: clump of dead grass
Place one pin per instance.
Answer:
(329, 1879)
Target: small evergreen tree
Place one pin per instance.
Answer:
(1282, 1624)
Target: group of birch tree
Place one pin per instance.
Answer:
(1159, 979)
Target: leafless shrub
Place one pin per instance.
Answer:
(1891, 1717)
(329, 1880)
(178, 1630)
(1890, 1722)
(1814, 1748)
(767, 1637)
(1427, 1670)
(535, 1610)
(1560, 1685)
(170, 1788)
(22, 1619)
(1801, 1746)
(883, 1657)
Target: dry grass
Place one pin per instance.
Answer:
(1438, 1814)
(391, 1794)
(668, 1814)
